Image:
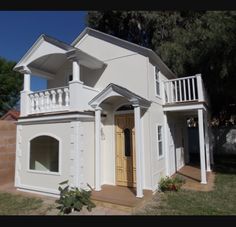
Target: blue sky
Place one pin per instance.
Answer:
(20, 29)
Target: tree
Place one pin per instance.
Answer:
(189, 42)
(10, 86)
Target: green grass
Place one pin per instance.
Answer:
(19, 205)
(221, 201)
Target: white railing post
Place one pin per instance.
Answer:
(200, 88)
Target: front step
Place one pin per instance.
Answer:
(120, 198)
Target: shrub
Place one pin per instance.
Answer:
(72, 198)
(171, 184)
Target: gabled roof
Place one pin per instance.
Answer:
(154, 58)
(116, 90)
(57, 42)
(65, 48)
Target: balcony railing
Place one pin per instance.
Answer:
(50, 100)
(183, 90)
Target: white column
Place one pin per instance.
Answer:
(139, 150)
(98, 149)
(26, 82)
(76, 88)
(202, 146)
(25, 104)
(76, 70)
(166, 145)
(207, 143)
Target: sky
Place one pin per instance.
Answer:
(20, 29)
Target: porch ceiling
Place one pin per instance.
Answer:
(49, 63)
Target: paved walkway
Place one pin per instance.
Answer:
(192, 175)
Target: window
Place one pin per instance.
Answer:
(159, 141)
(44, 154)
(157, 81)
(127, 142)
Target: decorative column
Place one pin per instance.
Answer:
(24, 94)
(76, 85)
(202, 146)
(26, 81)
(208, 164)
(166, 145)
(98, 111)
(139, 150)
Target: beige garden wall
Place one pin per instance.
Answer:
(7, 151)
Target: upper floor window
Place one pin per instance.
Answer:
(157, 81)
(159, 141)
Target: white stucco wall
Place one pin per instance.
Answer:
(125, 68)
(44, 181)
(88, 152)
(74, 138)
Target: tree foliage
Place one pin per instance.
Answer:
(10, 86)
(189, 42)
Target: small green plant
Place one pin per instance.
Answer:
(171, 184)
(73, 199)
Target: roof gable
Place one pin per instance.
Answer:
(44, 45)
(153, 57)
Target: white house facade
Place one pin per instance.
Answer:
(113, 113)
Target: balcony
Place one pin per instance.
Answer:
(187, 90)
(61, 99)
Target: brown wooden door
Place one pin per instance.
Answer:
(125, 150)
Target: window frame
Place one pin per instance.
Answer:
(59, 156)
(158, 141)
(157, 80)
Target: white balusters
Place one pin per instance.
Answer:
(193, 84)
(47, 100)
(36, 102)
(53, 99)
(41, 106)
(66, 90)
(50, 100)
(188, 90)
(32, 102)
(180, 91)
(184, 89)
(59, 91)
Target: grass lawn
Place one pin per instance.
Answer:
(20, 205)
(221, 201)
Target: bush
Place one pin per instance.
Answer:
(73, 199)
(171, 184)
